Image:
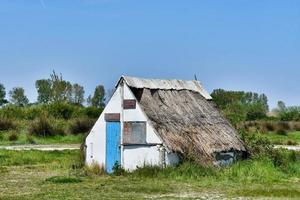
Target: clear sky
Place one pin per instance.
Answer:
(251, 45)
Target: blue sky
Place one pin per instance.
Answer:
(238, 45)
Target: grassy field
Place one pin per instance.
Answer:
(292, 138)
(24, 138)
(54, 175)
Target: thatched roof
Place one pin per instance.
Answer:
(187, 122)
(166, 85)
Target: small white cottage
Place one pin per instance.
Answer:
(157, 122)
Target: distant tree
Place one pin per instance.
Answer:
(98, 100)
(2, 95)
(240, 105)
(78, 94)
(61, 89)
(263, 100)
(44, 90)
(89, 100)
(281, 106)
(18, 97)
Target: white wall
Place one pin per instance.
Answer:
(131, 156)
(140, 156)
(95, 141)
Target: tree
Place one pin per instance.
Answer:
(281, 106)
(89, 100)
(99, 97)
(251, 105)
(2, 95)
(17, 96)
(78, 94)
(61, 89)
(44, 89)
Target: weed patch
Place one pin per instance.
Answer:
(63, 180)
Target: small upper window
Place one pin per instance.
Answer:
(134, 133)
(129, 104)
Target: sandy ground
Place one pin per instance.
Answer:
(50, 147)
(293, 148)
(61, 147)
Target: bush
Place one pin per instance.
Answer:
(281, 132)
(117, 169)
(81, 125)
(6, 124)
(290, 142)
(13, 137)
(44, 126)
(33, 112)
(283, 157)
(30, 139)
(12, 112)
(256, 144)
(296, 126)
(61, 110)
(269, 126)
(93, 112)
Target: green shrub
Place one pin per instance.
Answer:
(281, 132)
(81, 125)
(117, 169)
(59, 127)
(93, 112)
(33, 112)
(283, 157)
(13, 136)
(61, 110)
(256, 143)
(290, 142)
(6, 124)
(12, 112)
(30, 139)
(41, 127)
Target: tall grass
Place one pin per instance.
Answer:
(6, 124)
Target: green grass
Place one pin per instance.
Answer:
(23, 138)
(291, 137)
(51, 175)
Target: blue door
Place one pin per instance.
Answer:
(113, 154)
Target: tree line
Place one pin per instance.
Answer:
(241, 106)
(55, 90)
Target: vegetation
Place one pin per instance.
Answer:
(2, 95)
(18, 97)
(239, 106)
(33, 174)
(291, 138)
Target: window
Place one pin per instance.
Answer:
(134, 133)
(129, 104)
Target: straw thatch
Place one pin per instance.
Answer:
(188, 123)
